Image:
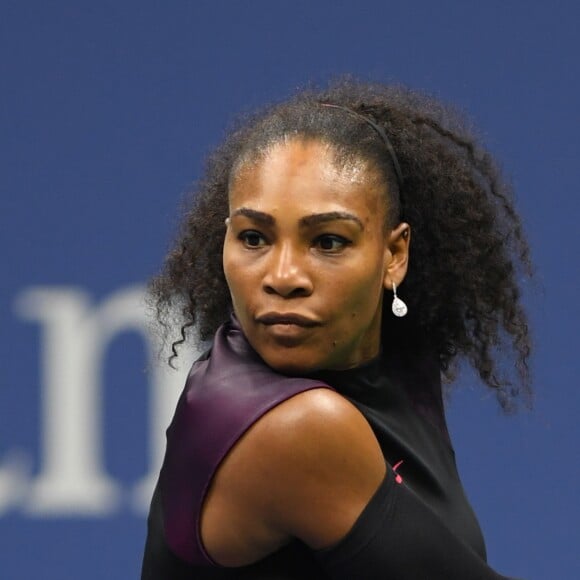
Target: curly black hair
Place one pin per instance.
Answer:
(468, 252)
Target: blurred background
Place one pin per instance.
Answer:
(107, 111)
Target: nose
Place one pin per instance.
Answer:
(287, 274)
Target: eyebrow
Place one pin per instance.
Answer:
(257, 216)
(306, 221)
(330, 216)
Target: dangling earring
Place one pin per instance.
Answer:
(398, 307)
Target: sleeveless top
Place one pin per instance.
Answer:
(230, 387)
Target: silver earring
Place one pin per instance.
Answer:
(227, 221)
(398, 307)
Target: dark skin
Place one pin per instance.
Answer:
(309, 466)
(470, 255)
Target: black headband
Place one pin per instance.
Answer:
(382, 135)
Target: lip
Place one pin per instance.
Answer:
(287, 319)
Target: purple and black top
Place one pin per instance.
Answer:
(418, 524)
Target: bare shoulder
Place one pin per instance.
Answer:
(306, 469)
(320, 431)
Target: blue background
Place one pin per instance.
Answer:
(107, 111)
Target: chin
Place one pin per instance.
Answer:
(291, 363)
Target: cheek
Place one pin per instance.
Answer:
(357, 306)
(243, 285)
(234, 276)
(363, 296)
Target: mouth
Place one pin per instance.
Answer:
(288, 319)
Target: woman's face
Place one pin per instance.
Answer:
(307, 257)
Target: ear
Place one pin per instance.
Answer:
(397, 255)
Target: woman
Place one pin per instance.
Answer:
(310, 440)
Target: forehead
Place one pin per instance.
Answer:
(309, 173)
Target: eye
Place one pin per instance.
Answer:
(331, 243)
(252, 239)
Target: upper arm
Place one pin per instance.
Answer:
(306, 469)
